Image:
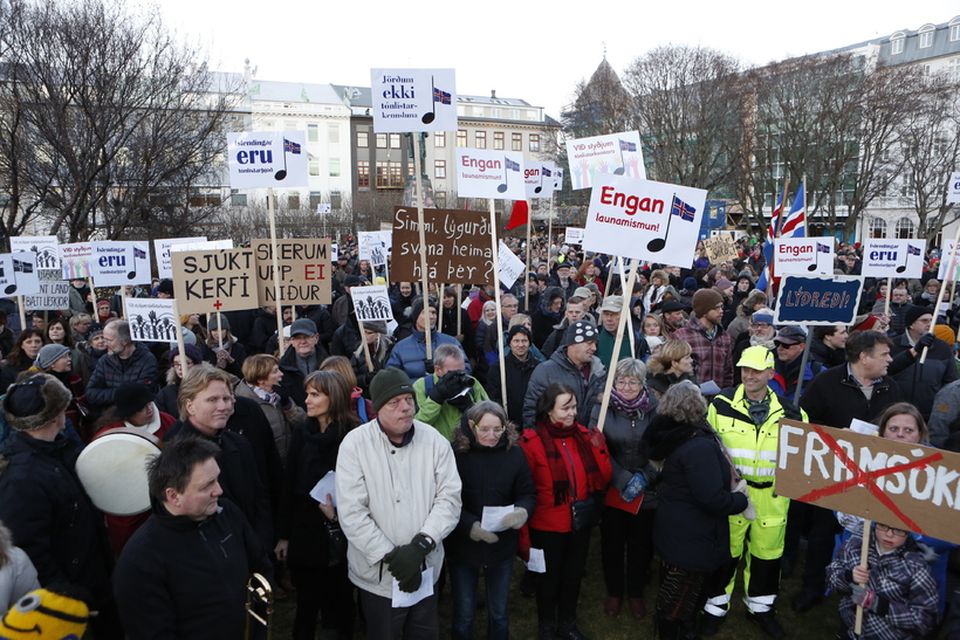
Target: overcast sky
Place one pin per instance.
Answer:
(536, 51)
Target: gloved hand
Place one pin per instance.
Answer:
(428, 367)
(868, 599)
(925, 341)
(449, 385)
(478, 534)
(634, 488)
(750, 513)
(516, 519)
(741, 487)
(404, 562)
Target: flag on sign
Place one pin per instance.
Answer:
(912, 250)
(441, 96)
(546, 172)
(513, 166)
(140, 254)
(291, 147)
(795, 222)
(22, 267)
(626, 145)
(682, 209)
(823, 248)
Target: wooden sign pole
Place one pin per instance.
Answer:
(496, 290)
(440, 302)
(275, 262)
(949, 275)
(423, 244)
(886, 306)
(864, 554)
(182, 353)
(612, 372)
(363, 341)
(526, 284)
(23, 313)
(459, 310)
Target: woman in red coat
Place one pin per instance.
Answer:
(571, 468)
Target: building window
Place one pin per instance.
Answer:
(363, 174)
(440, 139)
(293, 201)
(381, 141)
(237, 199)
(315, 199)
(925, 39)
(333, 133)
(461, 138)
(516, 141)
(336, 200)
(896, 44)
(480, 139)
(389, 175)
(498, 140)
(955, 31)
(313, 166)
(534, 142)
(333, 165)
(313, 133)
(440, 199)
(905, 229)
(363, 139)
(878, 228)
(394, 140)
(439, 169)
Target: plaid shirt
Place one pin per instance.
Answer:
(902, 578)
(713, 358)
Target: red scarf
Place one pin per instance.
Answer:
(549, 433)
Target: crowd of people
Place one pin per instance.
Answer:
(366, 477)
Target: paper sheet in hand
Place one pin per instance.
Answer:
(404, 599)
(492, 518)
(537, 562)
(327, 485)
(709, 388)
(863, 427)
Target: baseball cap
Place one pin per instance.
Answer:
(790, 335)
(757, 357)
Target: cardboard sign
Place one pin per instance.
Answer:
(616, 154)
(75, 260)
(152, 320)
(210, 281)
(304, 265)
(721, 248)
(267, 159)
(573, 235)
(818, 300)
(47, 249)
(407, 100)
(510, 266)
(539, 179)
(458, 246)
(653, 221)
(953, 189)
(483, 173)
(905, 486)
(161, 249)
(372, 303)
(18, 274)
(54, 293)
(803, 256)
(893, 258)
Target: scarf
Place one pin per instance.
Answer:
(549, 433)
(267, 396)
(638, 406)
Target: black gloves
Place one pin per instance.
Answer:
(404, 562)
(428, 367)
(926, 340)
(452, 383)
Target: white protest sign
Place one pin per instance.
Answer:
(371, 247)
(75, 260)
(643, 219)
(893, 258)
(539, 179)
(573, 235)
(945, 261)
(47, 249)
(54, 293)
(803, 256)
(511, 267)
(18, 274)
(152, 320)
(161, 249)
(616, 153)
(267, 159)
(483, 173)
(953, 189)
(334, 252)
(204, 245)
(115, 264)
(406, 100)
(372, 303)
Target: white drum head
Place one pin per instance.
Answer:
(113, 471)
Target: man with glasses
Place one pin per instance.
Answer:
(899, 302)
(301, 358)
(398, 497)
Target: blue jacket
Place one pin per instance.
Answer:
(409, 353)
(111, 372)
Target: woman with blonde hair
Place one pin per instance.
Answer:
(670, 364)
(261, 383)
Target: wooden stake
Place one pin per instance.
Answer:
(440, 302)
(496, 290)
(180, 346)
(886, 306)
(459, 309)
(423, 243)
(612, 371)
(363, 341)
(219, 329)
(23, 314)
(526, 284)
(949, 275)
(275, 263)
(864, 554)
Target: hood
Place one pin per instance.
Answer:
(464, 440)
(664, 435)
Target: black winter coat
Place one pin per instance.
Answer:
(518, 377)
(833, 398)
(292, 383)
(111, 372)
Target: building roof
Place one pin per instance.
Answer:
(273, 91)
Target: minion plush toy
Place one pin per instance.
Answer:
(45, 615)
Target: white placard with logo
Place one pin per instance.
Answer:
(372, 303)
(47, 249)
(803, 256)
(953, 189)
(643, 219)
(893, 258)
(407, 100)
(75, 260)
(18, 274)
(511, 267)
(203, 245)
(267, 159)
(115, 264)
(945, 261)
(539, 179)
(152, 319)
(573, 235)
(161, 249)
(371, 246)
(483, 173)
(616, 153)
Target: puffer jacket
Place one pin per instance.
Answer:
(111, 372)
(560, 369)
(409, 354)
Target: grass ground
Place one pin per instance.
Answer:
(818, 624)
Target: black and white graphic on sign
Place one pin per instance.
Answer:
(371, 303)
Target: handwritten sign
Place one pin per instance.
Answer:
(721, 248)
(267, 159)
(304, 265)
(47, 249)
(511, 267)
(818, 300)
(616, 154)
(803, 256)
(54, 293)
(211, 281)
(152, 320)
(893, 258)
(458, 246)
(413, 100)
(906, 486)
(75, 260)
(483, 173)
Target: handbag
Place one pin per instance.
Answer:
(336, 543)
(586, 513)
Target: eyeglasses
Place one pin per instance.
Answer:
(882, 528)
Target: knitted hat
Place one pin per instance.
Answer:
(723, 284)
(166, 287)
(519, 328)
(131, 398)
(578, 332)
(388, 384)
(705, 300)
(49, 354)
(214, 325)
(762, 316)
(190, 350)
(689, 283)
(867, 323)
(417, 307)
(913, 312)
(35, 401)
(945, 333)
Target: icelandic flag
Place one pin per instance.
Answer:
(546, 172)
(291, 147)
(22, 267)
(682, 209)
(441, 96)
(912, 250)
(511, 165)
(823, 248)
(767, 275)
(795, 223)
(140, 254)
(626, 145)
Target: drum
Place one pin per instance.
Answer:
(113, 470)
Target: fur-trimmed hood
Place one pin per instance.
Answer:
(52, 393)
(464, 440)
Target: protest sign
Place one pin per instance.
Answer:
(482, 173)
(816, 300)
(803, 256)
(152, 320)
(372, 303)
(539, 179)
(18, 274)
(372, 246)
(115, 264)
(267, 159)
(75, 260)
(721, 248)
(211, 281)
(947, 249)
(616, 153)
(53, 295)
(202, 245)
(893, 258)
(573, 235)
(407, 100)
(47, 249)
(953, 189)
(653, 221)
(161, 249)
(304, 268)
(906, 486)
(458, 246)
(334, 252)
(511, 267)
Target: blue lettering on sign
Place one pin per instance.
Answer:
(822, 301)
(255, 156)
